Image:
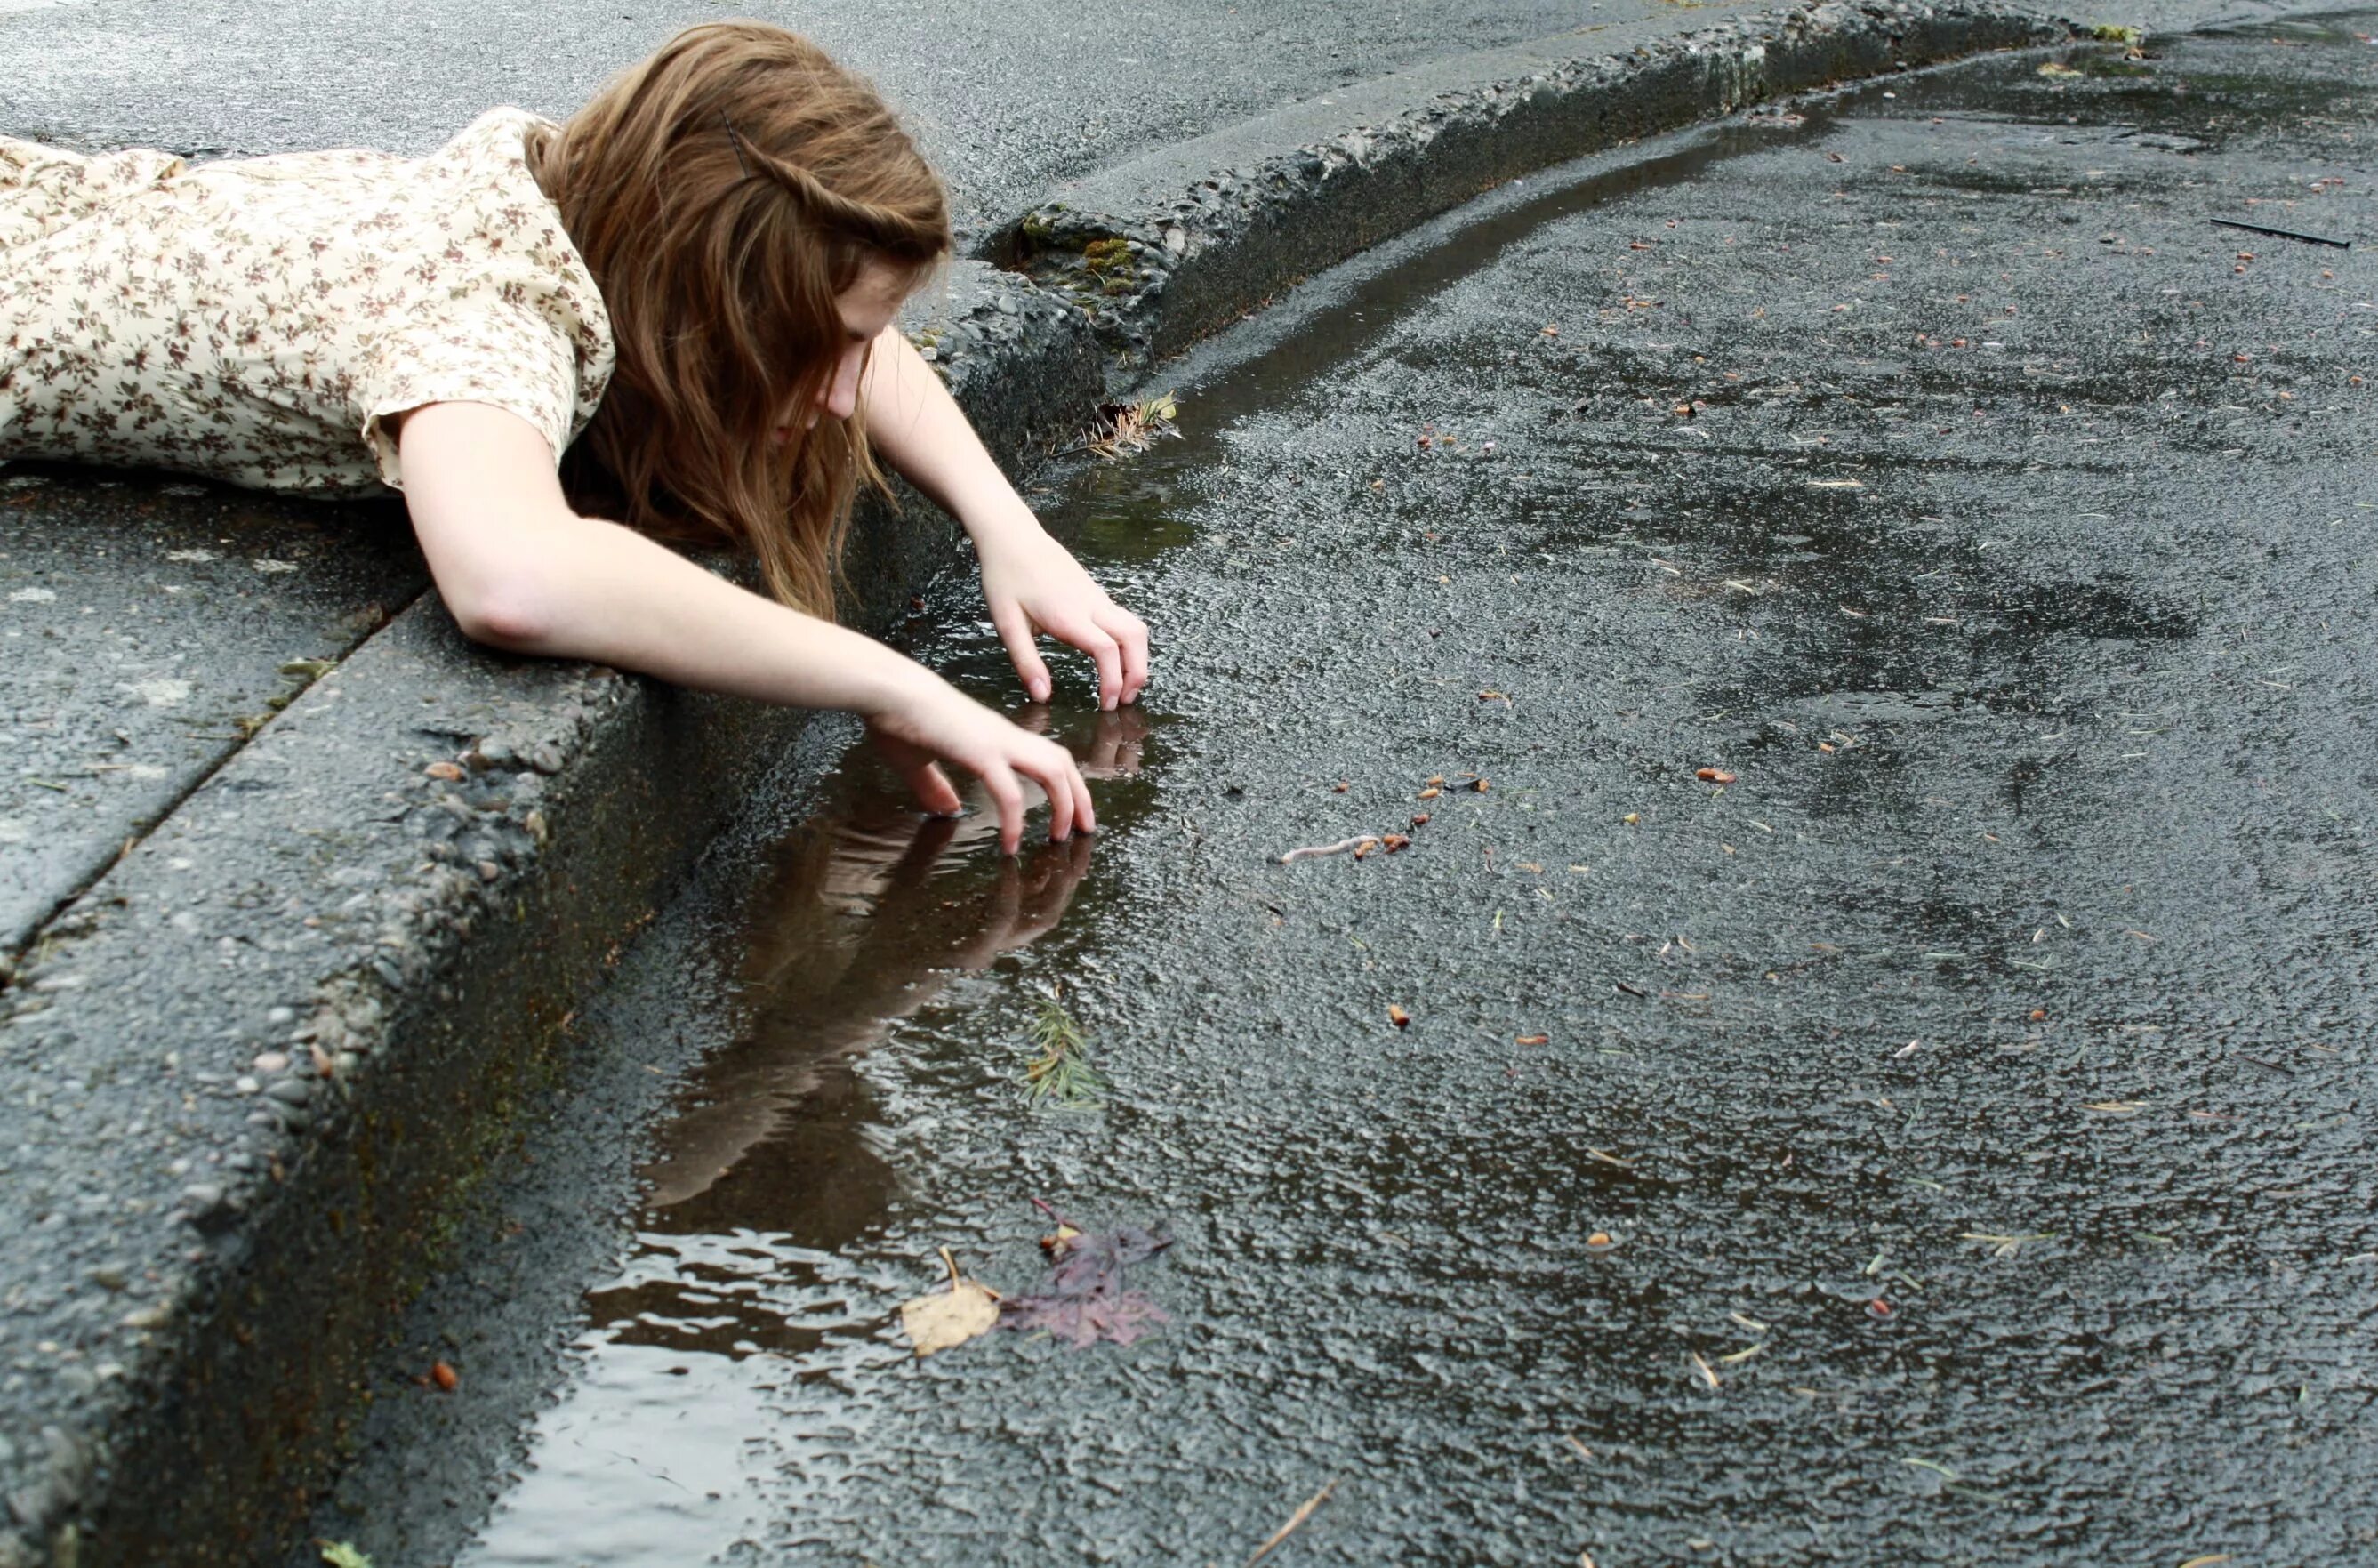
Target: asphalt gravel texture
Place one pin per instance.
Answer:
(1872, 602)
(1010, 99)
(147, 628)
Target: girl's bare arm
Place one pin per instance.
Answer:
(1030, 582)
(521, 571)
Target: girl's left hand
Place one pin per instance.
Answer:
(1033, 584)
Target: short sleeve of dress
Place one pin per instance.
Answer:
(477, 350)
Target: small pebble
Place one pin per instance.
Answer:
(271, 1062)
(1881, 1311)
(246, 1084)
(1599, 1243)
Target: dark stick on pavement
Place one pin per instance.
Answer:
(2284, 234)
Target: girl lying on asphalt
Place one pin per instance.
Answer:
(669, 318)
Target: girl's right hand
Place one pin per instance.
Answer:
(934, 721)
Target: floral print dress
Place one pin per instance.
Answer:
(262, 320)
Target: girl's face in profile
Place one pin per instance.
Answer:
(866, 308)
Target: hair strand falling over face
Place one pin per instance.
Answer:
(724, 194)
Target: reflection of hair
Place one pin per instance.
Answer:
(723, 193)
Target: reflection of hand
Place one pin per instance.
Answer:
(1031, 898)
(1113, 748)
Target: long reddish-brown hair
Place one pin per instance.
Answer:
(722, 194)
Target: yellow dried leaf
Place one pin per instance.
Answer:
(966, 1311)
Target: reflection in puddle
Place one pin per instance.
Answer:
(766, 1176)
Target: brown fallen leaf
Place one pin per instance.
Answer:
(1714, 774)
(1531, 1040)
(1397, 1015)
(968, 1309)
(1084, 1300)
(1430, 793)
(444, 1375)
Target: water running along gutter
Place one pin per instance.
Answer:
(1172, 247)
(399, 889)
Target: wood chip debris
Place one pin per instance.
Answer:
(1295, 1521)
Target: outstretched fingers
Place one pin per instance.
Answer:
(1006, 799)
(1130, 633)
(926, 781)
(1092, 639)
(1059, 778)
(1015, 631)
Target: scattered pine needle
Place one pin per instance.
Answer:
(1294, 1521)
(1708, 1373)
(1059, 1072)
(1131, 427)
(1609, 1159)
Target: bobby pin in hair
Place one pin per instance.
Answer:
(735, 141)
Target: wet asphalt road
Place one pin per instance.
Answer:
(1930, 465)
(1009, 97)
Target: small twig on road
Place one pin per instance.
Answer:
(2283, 234)
(1314, 851)
(1295, 1519)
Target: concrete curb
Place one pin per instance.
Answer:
(1170, 247)
(297, 1014)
